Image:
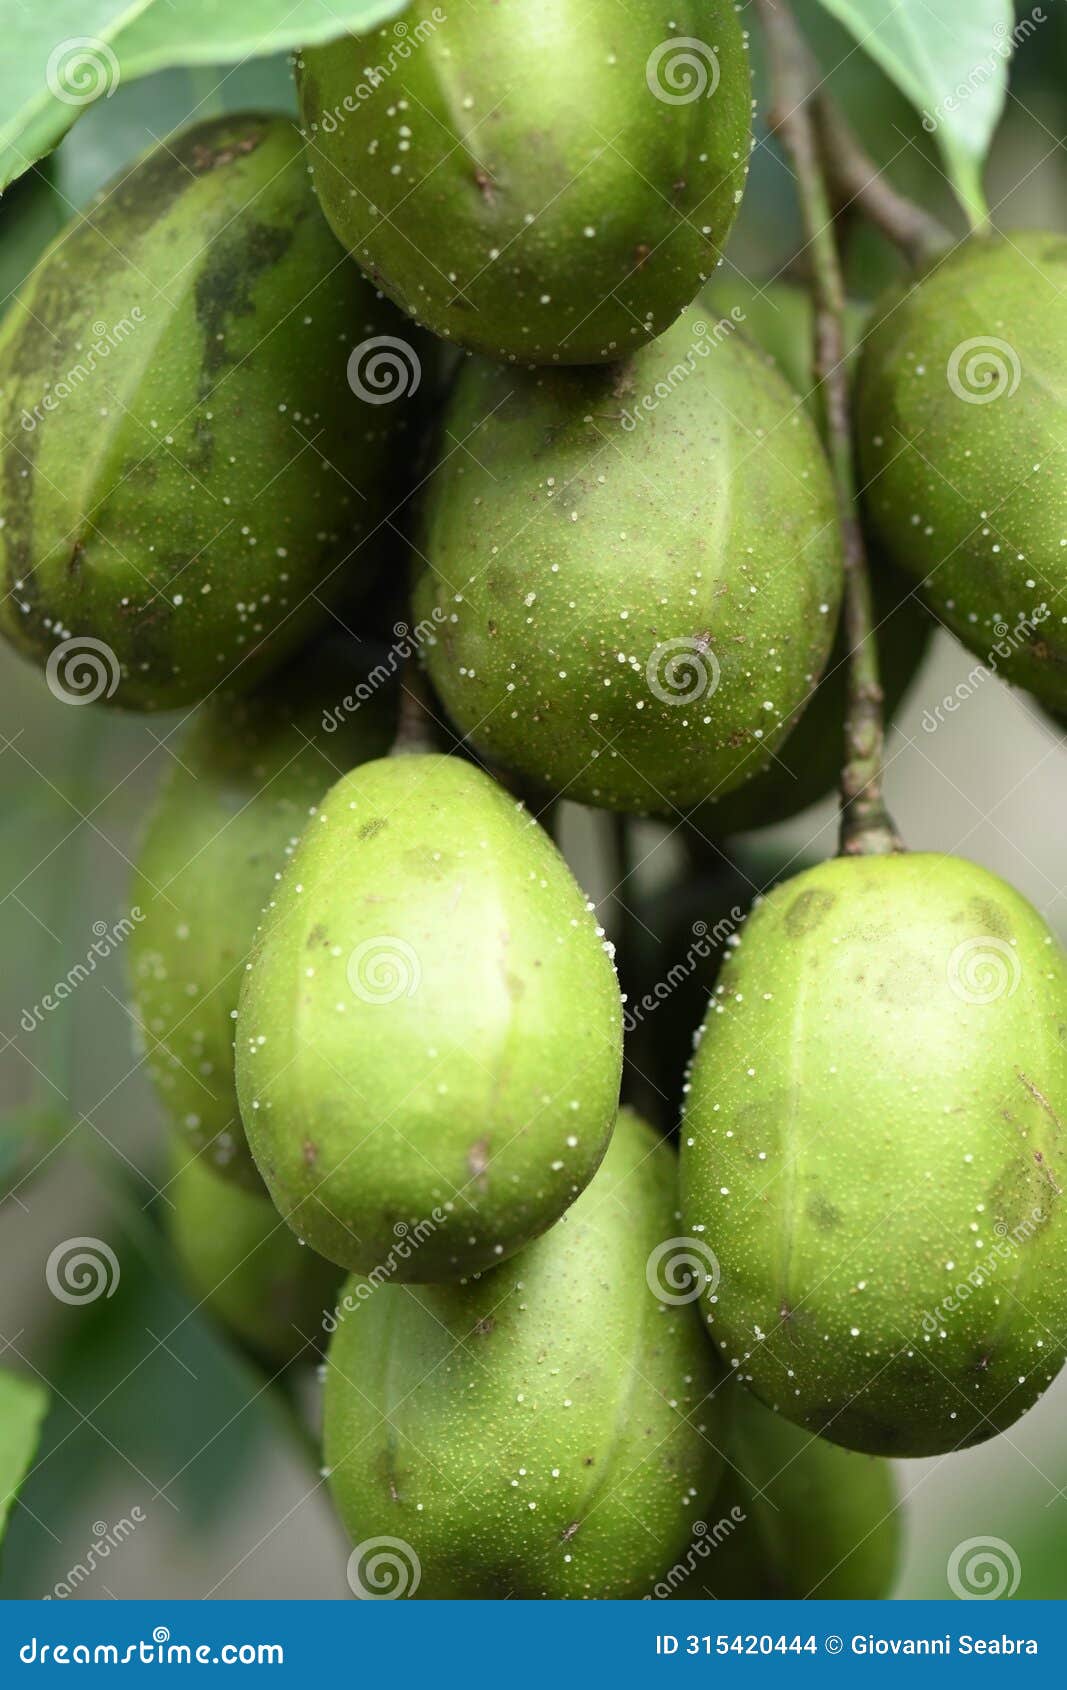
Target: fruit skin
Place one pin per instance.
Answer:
(795, 1517)
(429, 1035)
(875, 1110)
(232, 805)
(603, 565)
(244, 1265)
(517, 186)
(961, 421)
(807, 768)
(168, 503)
(540, 1431)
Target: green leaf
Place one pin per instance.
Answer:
(61, 58)
(950, 58)
(23, 1406)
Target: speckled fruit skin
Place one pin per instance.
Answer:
(876, 1109)
(961, 424)
(807, 768)
(515, 184)
(244, 1266)
(595, 577)
(545, 1430)
(429, 1037)
(795, 1517)
(234, 801)
(167, 502)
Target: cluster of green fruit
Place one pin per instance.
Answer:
(376, 1002)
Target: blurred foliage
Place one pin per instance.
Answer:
(23, 1406)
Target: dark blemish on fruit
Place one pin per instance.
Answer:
(374, 826)
(808, 911)
(478, 1161)
(484, 1327)
(310, 1153)
(568, 1531)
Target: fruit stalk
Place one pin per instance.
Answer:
(866, 827)
(859, 182)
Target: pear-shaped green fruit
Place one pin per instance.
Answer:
(530, 181)
(873, 1147)
(961, 423)
(243, 1264)
(234, 802)
(807, 767)
(429, 1035)
(189, 468)
(541, 1432)
(795, 1517)
(636, 572)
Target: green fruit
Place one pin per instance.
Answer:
(873, 1147)
(795, 1517)
(780, 317)
(543, 1431)
(961, 424)
(531, 183)
(243, 1264)
(634, 603)
(187, 470)
(235, 799)
(807, 768)
(429, 1036)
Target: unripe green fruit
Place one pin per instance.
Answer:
(532, 182)
(544, 1430)
(873, 1147)
(807, 767)
(233, 804)
(961, 424)
(429, 1036)
(185, 463)
(244, 1265)
(634, 603)
(795, 1517)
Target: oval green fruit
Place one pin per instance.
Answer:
(530, 182)
(795, 1518)
(429, 1037)
(245, 1267)
(542, 1431)
(807, 768)
(961, 423)
(187, 468)
(635, 589)
(873, 1147)
(233, 804)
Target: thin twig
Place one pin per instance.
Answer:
(866, 828)
(858, 181)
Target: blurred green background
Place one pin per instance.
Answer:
(152, 1408)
